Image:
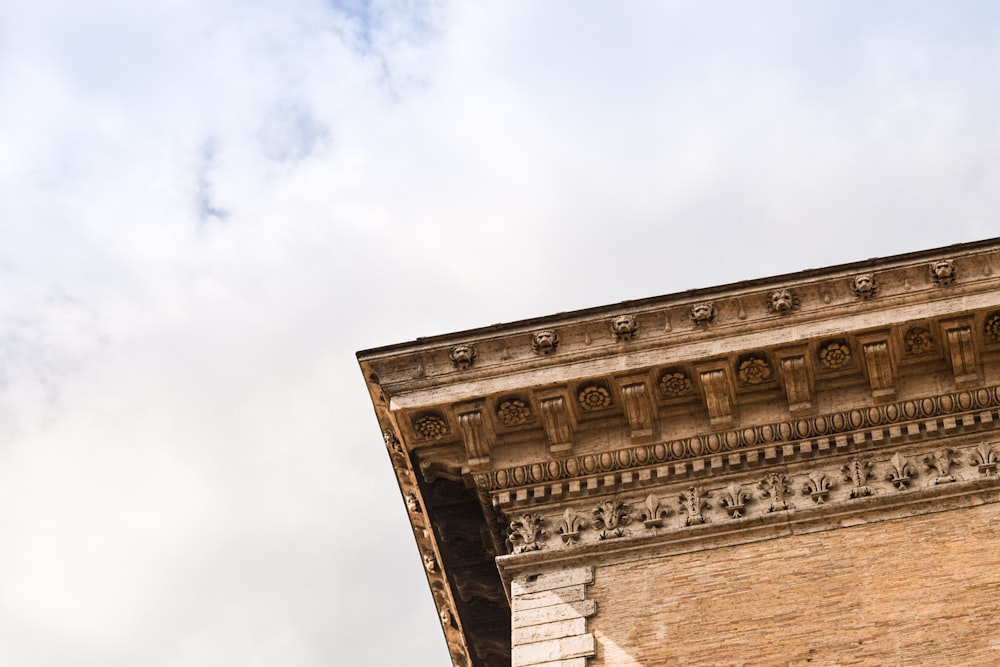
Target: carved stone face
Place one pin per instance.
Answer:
(462, 356)
(864, 285)
(544, 341)
(702, 312)
(623, 327)
(782, 300)
(943, 272)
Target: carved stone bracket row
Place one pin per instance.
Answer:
(875, 425)
(680, 507)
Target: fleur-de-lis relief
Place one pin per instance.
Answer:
(985, 458)
(610, 517)
(942, 460)
(857, 471)
(901, 473)
(525, 533)
(775, 487)
(654, 513)
(693, 501)
(817, 487)
(570, 526)
(734, 499)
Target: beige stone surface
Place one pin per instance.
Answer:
(922, 590)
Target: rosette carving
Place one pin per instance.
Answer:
(513, 412)
(754, 370)
(918, 340)
(992, 328)
(675, 383)
(835, 355)
(430, 427)
(594, 397)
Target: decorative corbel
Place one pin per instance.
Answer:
(477, 433)
(640, 409)
(797, 380)
(961, 352)
(718, 392)
(558, 420)
(879, 365)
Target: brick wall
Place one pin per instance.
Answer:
(923, 590)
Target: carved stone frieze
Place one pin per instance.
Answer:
(734, 500)
(624, 327)
(703, 312)
(545, 341)
(864, 285)
(887, 420)
(782, 301)
(463, 356)
(943, 272)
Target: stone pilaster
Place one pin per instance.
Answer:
(549, 615)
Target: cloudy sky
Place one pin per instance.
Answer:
(206, 207)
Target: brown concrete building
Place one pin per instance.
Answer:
(799, 470)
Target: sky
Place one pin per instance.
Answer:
(207, 207)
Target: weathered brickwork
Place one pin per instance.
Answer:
(924, 590)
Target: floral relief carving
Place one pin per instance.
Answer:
(782, 301)
(703, 312)
(985, 458)
(943, 272)
(942, 460)
(513, 412)
(817, 487)
(864, 285)
(734, 500)
(992, 328)
(594, 397)
(545, 341)
(918, 340)
(902, 472)
(674, 384)
(624, 327)
(463, 356)
(570, 526)
(525, 533)
(430, 563)
(430, 427)
(393, 445)
(412, 504)
(775, 486)
(654, 513)
(835, 355)
(857, 471)
(754, 370)
(693, 501)
(611, 517)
